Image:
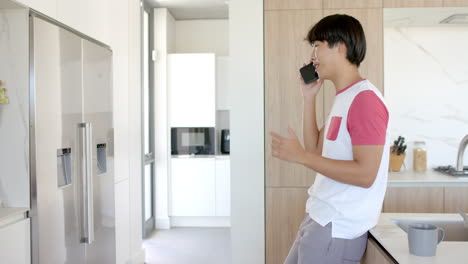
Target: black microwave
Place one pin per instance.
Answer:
(192, 140)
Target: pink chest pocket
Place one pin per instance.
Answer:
(334, 127)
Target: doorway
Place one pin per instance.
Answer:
(148, 168)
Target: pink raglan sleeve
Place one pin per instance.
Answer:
(367, 119)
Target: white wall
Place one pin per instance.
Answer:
(202, 36)
(164, 43)
(426, 87)
(171, 30)
(134, 120)
(247, 131)
(116, 23)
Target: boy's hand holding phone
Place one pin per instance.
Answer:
(310, 80)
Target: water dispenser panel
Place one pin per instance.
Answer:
(63, 167)
(102, 158)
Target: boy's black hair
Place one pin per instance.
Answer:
(341, 28)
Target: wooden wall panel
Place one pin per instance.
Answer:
(455, 197)
(285, 52)
(414, 200)
(412, 3)
(328, 4)
(372, 66)
(451, 3)
(285, 210)
(292, 4)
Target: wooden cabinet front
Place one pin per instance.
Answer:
(425, 199)
(454, 3)
(455, 197)
(412, 3)
(285, 210)
(414, 200)
(292, 4)
(285, 52)
(375, 254)
(329, 4)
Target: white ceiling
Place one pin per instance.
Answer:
(194, 9)
(420, 16)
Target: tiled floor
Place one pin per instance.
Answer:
(189, 246)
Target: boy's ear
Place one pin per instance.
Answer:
(342, 49)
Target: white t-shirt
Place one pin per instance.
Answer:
(359, 116)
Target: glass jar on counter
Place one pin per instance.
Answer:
(419, 156)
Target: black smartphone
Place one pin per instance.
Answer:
(309, 74)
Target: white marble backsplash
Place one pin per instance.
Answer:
(426, 88)
(14, 117)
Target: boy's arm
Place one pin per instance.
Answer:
(313, 138)
(361, 171)
(367, 124)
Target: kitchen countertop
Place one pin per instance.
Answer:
(223, 156)
(395, 240)
(429, 178)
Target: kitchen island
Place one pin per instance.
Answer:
(426, 192)
(392, 241)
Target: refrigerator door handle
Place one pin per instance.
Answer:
(87, 184)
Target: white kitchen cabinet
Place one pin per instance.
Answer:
(222, 83)
(193, 187)
(15, 246)
(191, 87)
(223, 187)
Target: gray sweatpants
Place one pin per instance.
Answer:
(314, 245)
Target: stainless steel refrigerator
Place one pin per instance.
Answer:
(71, 124)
